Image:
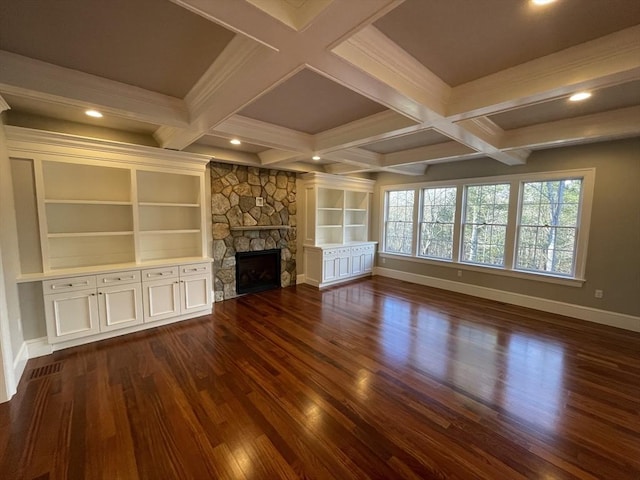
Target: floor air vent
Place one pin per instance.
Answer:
(45, 370)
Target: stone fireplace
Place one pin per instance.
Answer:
(243, 223)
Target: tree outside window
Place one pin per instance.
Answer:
(436, 225)
(399, 221)
(485, 223)
(548, 226)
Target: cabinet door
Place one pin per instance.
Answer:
(357, 263)
(71, 315)
(344, 268)
(329, 268)
(120, 306)
(195, 293)
(161, 299)
(368, 261)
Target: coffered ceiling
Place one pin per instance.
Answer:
(367, 85)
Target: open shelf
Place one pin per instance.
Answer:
(85, 251)
(89, 234)
(168, 217)
(87, 183)
(168, 188)
(162, 245)
(87, 218)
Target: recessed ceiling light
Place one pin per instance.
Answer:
(577, 97)
(542, 2)
(93, 113)
(315, 157)
(235, 141)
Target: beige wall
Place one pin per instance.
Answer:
(613, 258)
(9, 248)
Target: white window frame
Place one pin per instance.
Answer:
(515, 204)
(421, 222)
(464, 223)
(383, 235)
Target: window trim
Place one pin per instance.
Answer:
(515, 204)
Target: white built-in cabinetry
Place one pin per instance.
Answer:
(336, 230)
(104, 216)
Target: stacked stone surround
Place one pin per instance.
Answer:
(234, 189)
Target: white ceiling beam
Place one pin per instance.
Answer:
(241, 17)
(274, 156)
(29, 78)
(357, 156)
(416, 86)
(608, 60)
(262, 133)
(614, 124)
(373, 52)
(3, 105)
(431, 153)
(373, 128)
(224, 155)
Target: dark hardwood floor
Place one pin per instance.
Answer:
(374, 379)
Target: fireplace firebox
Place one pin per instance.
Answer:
(257, 270)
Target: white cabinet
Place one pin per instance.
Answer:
(176, 290)
(90, 305)
(329, 265)
(119, 299)
(72, 314)
(161, 293)
(336, 229)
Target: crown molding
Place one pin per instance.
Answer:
(29, 143)
(608, 60)
(26, 77)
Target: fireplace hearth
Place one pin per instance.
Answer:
(257, 271)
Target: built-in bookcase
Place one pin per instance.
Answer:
(104, 205)
(337, 209)
(88, 213)
(169, 215)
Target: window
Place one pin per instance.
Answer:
(532, 225)
(436, 225)
(399, 221)
(485, 224)
(547, 231)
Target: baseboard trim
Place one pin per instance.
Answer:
(20, 362)
(38, 347)
(604, 317)
(301, 278)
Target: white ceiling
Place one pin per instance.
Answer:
(369, 85)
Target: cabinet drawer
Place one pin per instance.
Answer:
(158, 273)
(119, 278)
(195, 269)
(70, 284)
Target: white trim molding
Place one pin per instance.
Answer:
(20, 362)
(603, 317)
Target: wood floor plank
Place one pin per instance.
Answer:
(377, 378)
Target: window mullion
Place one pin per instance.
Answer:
(512, 224)
(417, 214)
(457, 224)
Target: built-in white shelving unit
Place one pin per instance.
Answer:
(102, 205)
(116, 233)
(336, 230)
